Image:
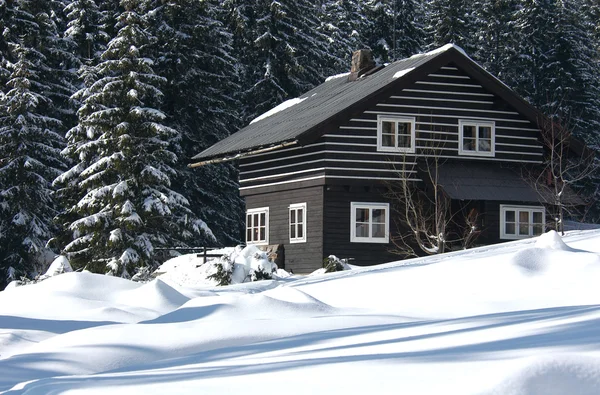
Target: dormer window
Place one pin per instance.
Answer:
(395, 134)
(476, 138)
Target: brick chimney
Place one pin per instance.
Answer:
(362, 61)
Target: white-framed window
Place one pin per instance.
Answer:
(476, 138)
(395, 134)
(369, 222)
(520, 222)
(298, 223)
(257, 226)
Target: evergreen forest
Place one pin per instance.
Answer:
(104, 102)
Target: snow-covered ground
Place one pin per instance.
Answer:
(517, 318)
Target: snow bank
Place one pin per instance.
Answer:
(59, 266)
(190, 270)
(554, 375)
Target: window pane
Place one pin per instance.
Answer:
(248, 234)
(388, 140)
(262, 220)
(362, 230)
(378, 230)
(485, 132)
(468, 144)
(300, 231)
(537, 218)
(469, 131)
(524, 217)
(538, 229)
(404, 128)
(378, 216)
(262, 234)
(362, 215)
(248, 220)
(510, 216)
(292, 216)
(292, 231)
(300, 216)
(509, 228)
(388, 127)
(485, 145)
(404, 141)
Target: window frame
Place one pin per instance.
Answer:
(477, 124)
(370, 206)
(396, 119)
(258, 210)
(295, 207)
(517, 209)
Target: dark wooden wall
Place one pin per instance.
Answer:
(299, 257)
(337, 226)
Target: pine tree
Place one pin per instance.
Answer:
(281, 48)
(496, 40)
(126, 206)
(86, 30)
(30, 139)
(450, 21)
(193, 53)
(559, 68)
(397, 28)
(344, 23)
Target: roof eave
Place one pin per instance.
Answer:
(231, 156)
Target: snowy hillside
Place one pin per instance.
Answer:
(517, 318)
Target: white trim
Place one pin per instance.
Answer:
(447, 108)
(295, 207)
(397, 120)
(281, 182)
(462, 77)
(517, 209)
(369, 206)
(347, 136)
(283, 174)
(326, 177)
(445, 116)
(359, 127)
(448, 84)
(477, 124)
(296, 164)
(447, 92)
(441, 99)
(252, 227)
(318, 169)
(448, 68)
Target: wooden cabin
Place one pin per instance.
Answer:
(314, 171)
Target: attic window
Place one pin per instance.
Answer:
(476, 138)
(395, 134)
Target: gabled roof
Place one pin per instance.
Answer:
(302, 120)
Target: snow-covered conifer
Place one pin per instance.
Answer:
(397, 28)
(126, 206)
(30, 139)
(450, 21)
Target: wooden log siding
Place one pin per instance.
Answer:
(437, 102)
(299, 257)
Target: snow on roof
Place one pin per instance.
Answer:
(333, 77)
(402, 72)
(440, 50)
(279, 108)
(497, 319)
